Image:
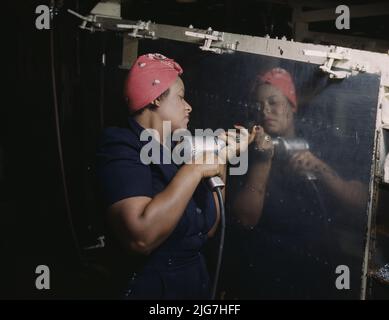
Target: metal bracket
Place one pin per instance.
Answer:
(141, 25)
(95, 26)
(210, 36)
(100, 244)
(331, 56)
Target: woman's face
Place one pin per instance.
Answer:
(174, 108)
(273, 110)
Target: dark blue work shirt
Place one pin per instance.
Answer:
(121, 175)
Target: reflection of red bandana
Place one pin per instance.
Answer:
(150, 76)
(282, 80)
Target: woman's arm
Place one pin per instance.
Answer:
(143, 223)
(351, 195)
(248, 204)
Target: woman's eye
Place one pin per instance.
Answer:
(272, 101)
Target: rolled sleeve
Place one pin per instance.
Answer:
(120, 172)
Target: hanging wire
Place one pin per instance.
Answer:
(59, 142)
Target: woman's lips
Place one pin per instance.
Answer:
(270, 121)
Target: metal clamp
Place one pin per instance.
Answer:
(331, 56)
(100, 244)
(141, 25)
(209, 36)
(95, 26)
(139, 30)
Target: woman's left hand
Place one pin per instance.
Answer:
(236, 142)
(304, 162)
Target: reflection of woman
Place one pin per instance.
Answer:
(161, 211)
(292, 225)
(276, 105)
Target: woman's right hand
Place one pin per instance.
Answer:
(208, 164)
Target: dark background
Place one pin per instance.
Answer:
(40, 223)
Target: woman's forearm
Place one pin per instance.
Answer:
(249, 201)
(352, 194)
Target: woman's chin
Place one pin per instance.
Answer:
(180, 127)
(272, 130)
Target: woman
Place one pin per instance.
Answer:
(291, 243)
(161, 211)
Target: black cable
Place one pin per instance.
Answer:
(221, 245)
(102, 80)
(59, 145)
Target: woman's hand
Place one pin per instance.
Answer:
(263, 143)
(304, 162)
(209, 164)
(236, 142)
(352, 195)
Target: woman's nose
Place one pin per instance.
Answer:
(188, 107)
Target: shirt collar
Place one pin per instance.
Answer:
(135, 126)
(137, 129)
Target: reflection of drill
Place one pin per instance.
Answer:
(285, 148)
